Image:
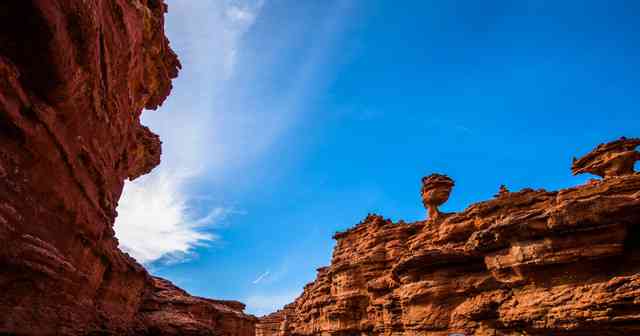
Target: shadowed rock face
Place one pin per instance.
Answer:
(75, 76)
(531, 262)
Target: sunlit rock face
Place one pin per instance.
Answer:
(75, 76)
(615, 158)
(532, 262)
(436, 189)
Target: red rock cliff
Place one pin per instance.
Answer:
(75, 76)
(532, 262)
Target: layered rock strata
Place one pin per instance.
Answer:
(75, 76)
(532, 262)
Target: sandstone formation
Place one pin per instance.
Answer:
(435, 191)
(75, 76)
(611, 159)
(276, 323)
(532, 262)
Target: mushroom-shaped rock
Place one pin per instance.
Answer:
(436, 189)
(616, 158)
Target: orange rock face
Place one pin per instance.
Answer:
(532, 262)
(75, 76)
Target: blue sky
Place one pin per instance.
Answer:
(294, 119)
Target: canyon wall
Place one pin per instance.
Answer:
(75, 75)
(532, 262)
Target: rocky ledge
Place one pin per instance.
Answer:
(532, 262)
(75, 75)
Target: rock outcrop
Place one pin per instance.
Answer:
(435, 191)
(276, 323)
(532, 262)
(75, 76)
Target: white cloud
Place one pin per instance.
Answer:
(266, 303)
(219, 120)
(240, 15)
(261, 277)
(157, 219)
(239, 18)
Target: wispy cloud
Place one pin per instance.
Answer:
(261, 277)
(223, 116)
(239, 18)
(157, 219)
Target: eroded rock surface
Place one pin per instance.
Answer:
(436, 189)
(75, 76)
(615, 158)
(532, 262)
